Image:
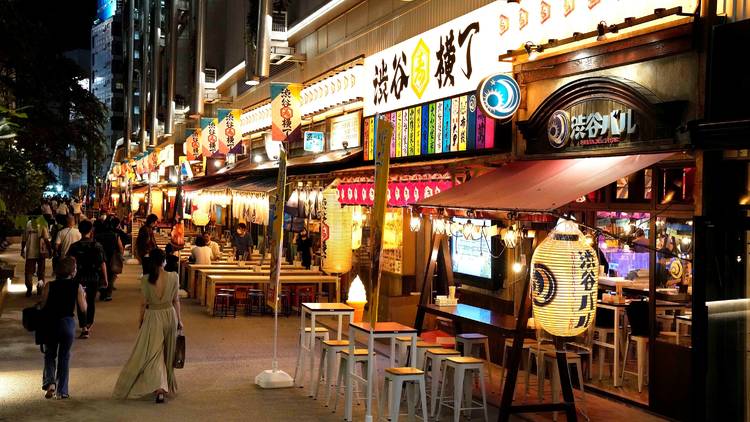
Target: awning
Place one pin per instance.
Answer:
(540, 185)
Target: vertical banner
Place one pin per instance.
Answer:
(383, 131)
(277, 233)
(209, 139)
(285, 112)
(230, 140)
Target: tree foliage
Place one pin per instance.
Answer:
(57, 112)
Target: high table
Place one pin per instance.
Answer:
(618, 307)
(306, 350)
(195, 288)
(389, 330)
(503, 324)
(214, 280)
(201, 275)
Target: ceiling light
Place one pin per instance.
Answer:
(252, 82)
(258, 158)
(533, 50)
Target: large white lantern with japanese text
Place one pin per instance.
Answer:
(564, 277)
(336, 234)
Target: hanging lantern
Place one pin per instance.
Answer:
(510, 237)
(564, 279)
(200, 218)
(415, 223)
(337, 222)
(438, 226)
(358, 219)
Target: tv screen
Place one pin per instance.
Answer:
(472, 257)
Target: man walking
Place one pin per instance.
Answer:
(67, 236)
(76, 205)
(146, 242)
(91, 273)
(242, 242)
(106, 236)
(35, 248)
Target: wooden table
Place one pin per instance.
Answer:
(618, 308)
(501, 323)
(201, 275)
(192, 268)
(306, 350)
(680, 320)
(214, 280)
(388, 330)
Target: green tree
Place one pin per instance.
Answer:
(59, 113)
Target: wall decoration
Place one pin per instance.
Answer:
(401, 193)
(564, 277)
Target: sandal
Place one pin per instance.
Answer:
(50, 391)
(160, 397)
(84, 333)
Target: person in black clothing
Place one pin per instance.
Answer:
(304, 248)
(114, 224)
(146, 242)
(59, 302)
(106, 236)
(242, 242)
(91, 269)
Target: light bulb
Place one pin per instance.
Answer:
(517, 267)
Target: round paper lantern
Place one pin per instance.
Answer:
(564, 277)
(358, 219)
(200, 218)
(337, 246)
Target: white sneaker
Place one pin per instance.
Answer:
(39, 287)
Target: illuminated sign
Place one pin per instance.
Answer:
(499, 96)
(105, 9)
(345, 131)
(314, 141)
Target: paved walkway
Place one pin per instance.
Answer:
(223, 357)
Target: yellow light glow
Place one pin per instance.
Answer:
(517, 267)
(357, 291)
(337, 254)
(200, 218)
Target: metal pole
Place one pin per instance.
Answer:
(130, 34)
(263, 55)
(200, 38)
(143, 80)
(155, 69)
(172, 71)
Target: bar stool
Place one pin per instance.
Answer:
(327, 369)
(321, 334)
(508, 344)
(396, 378)
(256, 302)
(402, 351)
(241, 297)
(468, 341)
(286, 303)
(422, 347)
(223, 301)
(549, 360)
(233, 299)
(640, 331)
(435, 358)
(535, 354)
(304, 295)
(463, 386)
(360, 359)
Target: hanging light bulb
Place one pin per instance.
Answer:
(467, 230)
(438, 226)
(510, 238)
(477, 232)
(415, 223)
(455, 229)
(517, 267)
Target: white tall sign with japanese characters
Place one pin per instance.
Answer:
(453, 58)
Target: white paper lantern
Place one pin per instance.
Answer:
(564, 277)
(337, 249)
(200, 218)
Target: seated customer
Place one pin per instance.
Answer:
(215, 248)
(201, 253)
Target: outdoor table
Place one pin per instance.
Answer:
(191, 269)
(214, 280)
(306, 350)
(618, 307)
(498, 322)
(388, 330)
(680, 320)
(201, 275)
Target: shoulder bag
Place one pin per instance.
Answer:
(179, 352)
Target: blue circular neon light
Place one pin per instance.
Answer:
(499, 96)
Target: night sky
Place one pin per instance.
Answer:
(69, 21)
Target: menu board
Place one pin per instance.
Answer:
(345, 129)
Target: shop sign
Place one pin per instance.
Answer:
(344, 132)
(450, 125)
(208, 136)
(453, 58)
(192, 145)
(230, 139)
(286, 117)
(314, 141)
(400, 194)
(499, 96)
(600, 113)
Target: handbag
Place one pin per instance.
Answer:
(179, 352)
(32, 317)
(116, 263)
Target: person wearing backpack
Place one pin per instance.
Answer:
(91, 272)
(106, 236)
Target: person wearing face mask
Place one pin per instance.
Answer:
(304, 248)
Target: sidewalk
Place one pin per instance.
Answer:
(223, 357)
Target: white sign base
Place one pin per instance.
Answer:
(274, 379)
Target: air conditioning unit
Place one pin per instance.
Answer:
(210, 75)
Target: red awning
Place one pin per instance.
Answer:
(541, 185)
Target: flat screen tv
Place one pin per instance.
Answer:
(473, 261)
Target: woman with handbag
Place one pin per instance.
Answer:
(58, 329)
(150, 369)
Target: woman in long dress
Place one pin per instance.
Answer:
(149, 369)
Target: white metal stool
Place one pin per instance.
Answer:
(549, 360)
(321, 334)
(402, 353)
(641, 344)
(395, 378)
(422, 347)
(535, 355)
(433, 366)
(360, 357)
(328, 366)
(462, 387)
(468, 341)
(527, 344)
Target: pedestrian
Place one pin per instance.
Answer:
(215, 248)
(107, 237)
(116, 224)
(145, 242)
(91, 273)
(304, 248)
(35, 248)
(47, 211)
(242, 242)
(149, 370)
(62, 209)
(76, 205)
(66, 237)
(59, 303)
